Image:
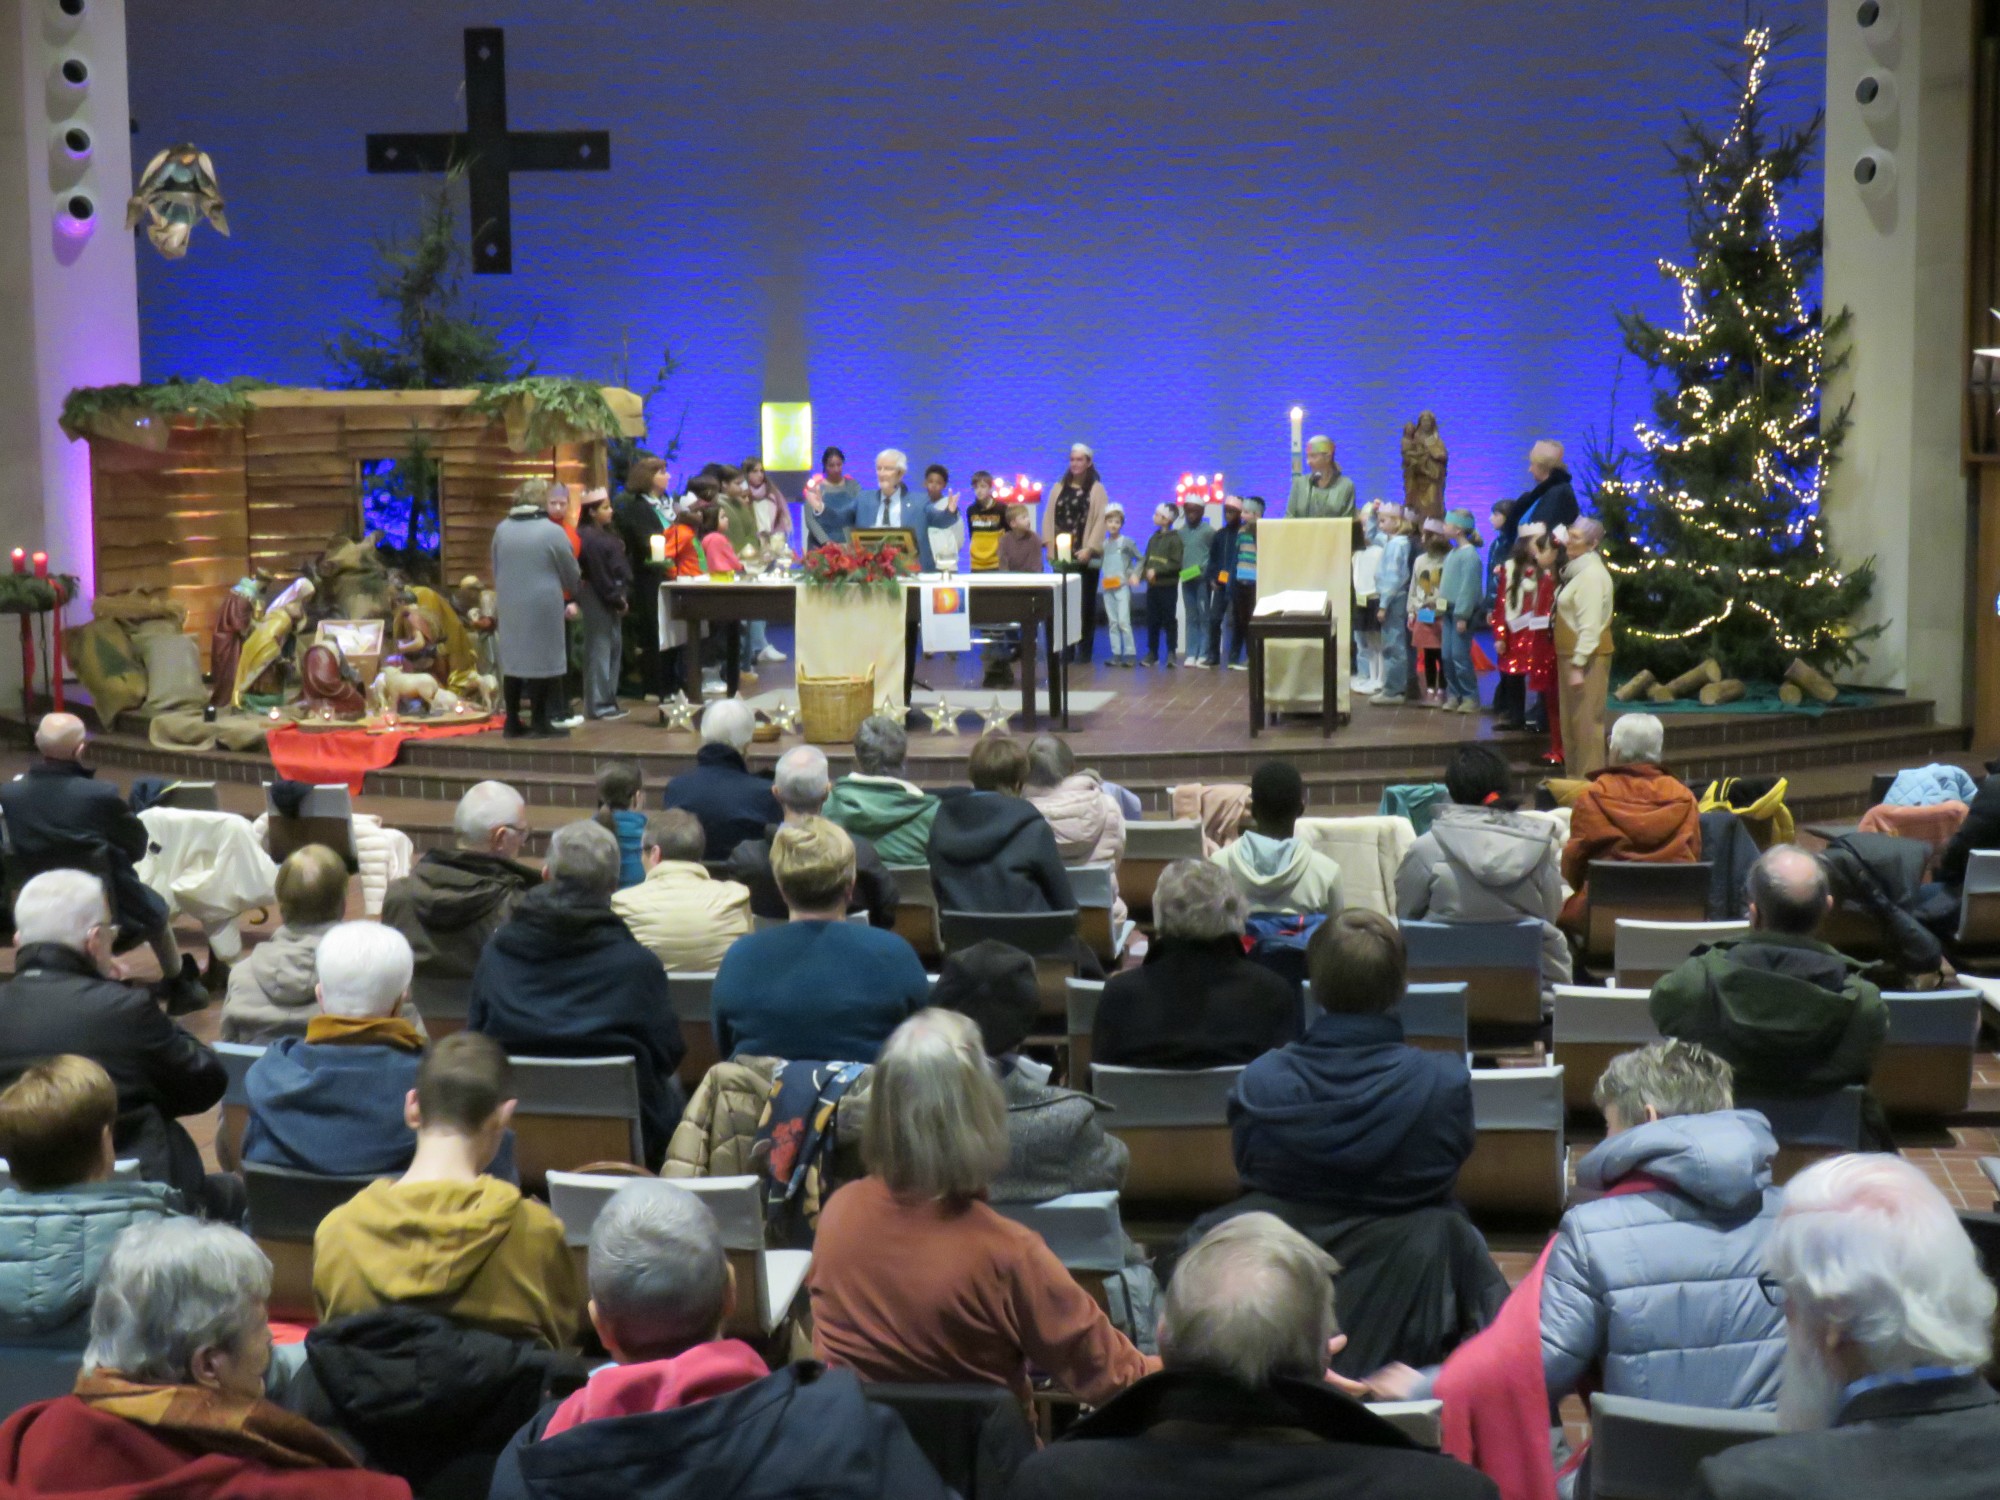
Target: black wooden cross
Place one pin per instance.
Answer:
(489, 151)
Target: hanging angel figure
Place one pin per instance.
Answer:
(177, 188)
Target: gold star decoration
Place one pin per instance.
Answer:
(943, 717)
(888, 709)
(785, 715)
(677, 714)
(993, 719)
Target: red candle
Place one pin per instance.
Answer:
(41, 565)
(20, 560)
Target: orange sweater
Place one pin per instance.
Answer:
(916, 1291)
(1636, 812)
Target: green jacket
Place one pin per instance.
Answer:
(1790, 1014)
(1163, 557)
(891, 814)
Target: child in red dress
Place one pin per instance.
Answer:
(1542, 674)
(1513, 607)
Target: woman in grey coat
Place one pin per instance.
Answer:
(534, 576)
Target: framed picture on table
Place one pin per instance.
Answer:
(884, 536)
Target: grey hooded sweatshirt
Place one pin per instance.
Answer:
(1479, 864)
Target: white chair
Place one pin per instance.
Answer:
(1150, 846)
(1433, 1015)
(125, 1169)
(443, 1002)
(1082, 1230)
(1081, 997)
(1422, 1422)
(1645, 952)
(1648, 1450)
(1175, 1126)
(1518, 1168)
(325, 816)
(768, 1282)
(1092, 888)
(1926, 1068)
(1979, 907)
(236, 1058)
(693, 998)
(574, 1111)
(1591, 1026)
(917, 910)
(1500, 963)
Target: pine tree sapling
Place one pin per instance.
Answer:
(1712, 524)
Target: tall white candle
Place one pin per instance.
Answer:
(658, 544)
(1062, 547)
(1298, 437)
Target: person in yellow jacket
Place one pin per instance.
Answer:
(445, 1237)
(1583, 648)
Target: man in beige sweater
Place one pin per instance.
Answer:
(686, 916)
(1583, 648)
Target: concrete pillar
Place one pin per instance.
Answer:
(70, 313)
(1896, 259)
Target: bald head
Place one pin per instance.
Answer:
(60, 736)
(1788, 892)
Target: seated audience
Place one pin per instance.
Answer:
(1086, 818)
(455, 899)
(1481, 861)
(63, 1211)
(1055, 1143)
(60, 817)
(1788, 1013)
(819, 988)
(800, 785)
(876, 802)
(1352, 1117)
(733, 803)
(1979, 831)
(915, 1277)
(680, 1405)
(1888, 1321)
(1277, 871)
(566, 978)
(1631, 809)
(990, 849)
(620, 785)
(1196, 1001)
(333, 1101)
(59, 1000)
(683, 914)
(446, 1237)
(171, 1399)
(1242, 1407)
(271, 988)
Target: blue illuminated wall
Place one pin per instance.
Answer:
(980, 230)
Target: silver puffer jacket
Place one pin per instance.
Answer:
(1658, 1289)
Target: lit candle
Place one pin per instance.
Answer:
(20, 560)
(658, 543)
(41, 565)
(274, 715)
(1298, 438)
(1062, 547)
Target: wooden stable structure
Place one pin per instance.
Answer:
(214, 503)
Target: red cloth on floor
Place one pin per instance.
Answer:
(321, 757)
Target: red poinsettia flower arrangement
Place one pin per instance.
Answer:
(856, 565)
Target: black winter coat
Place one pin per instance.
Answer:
(607, 571)
(733, 803)
(874, 886)
(58, 1002)
(803, 1430)
(566, 978)
(1980, 830)
(995, 853)
(1294, 1440)
(1194, 1005)
(60, 817)
(424, 1398)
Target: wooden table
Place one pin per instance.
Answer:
(1267, 628)
(1035, 610)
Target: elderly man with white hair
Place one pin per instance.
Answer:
(802, 786)
(1242, 1406)
(1888, 1321)
(1549, 502)
(732, 802)
(680, 1404)
(171, 1398)
(61, 1000)
(1583, 647)
(331, 1102)
(454, 899)
(1322, 492)
(891, 505)
(878, 801)
(60, 817)
(566, 978)
(1633, 809)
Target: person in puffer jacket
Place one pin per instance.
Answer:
(1088, 823)
(1481, 861)
(64, 1212)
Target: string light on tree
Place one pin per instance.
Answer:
(1712, 523)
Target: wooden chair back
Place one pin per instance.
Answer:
(1518, 1166)
(1590, 1026)
(1175, 1126)
(1641, 892)
(573, 1111)
(1646, 952)
(1499, 963)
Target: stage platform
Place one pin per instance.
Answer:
(1147, 728)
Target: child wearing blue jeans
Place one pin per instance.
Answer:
(1120, 572)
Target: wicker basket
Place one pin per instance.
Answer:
(831, 708)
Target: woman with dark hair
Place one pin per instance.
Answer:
(1483, 861)
(1078, 513)
(832, 497)
(643, 512)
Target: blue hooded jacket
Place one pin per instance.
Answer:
(331, 1108)
(1354, 1119)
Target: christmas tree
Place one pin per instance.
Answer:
(1712, 523)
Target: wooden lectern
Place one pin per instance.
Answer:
(1307, 555)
